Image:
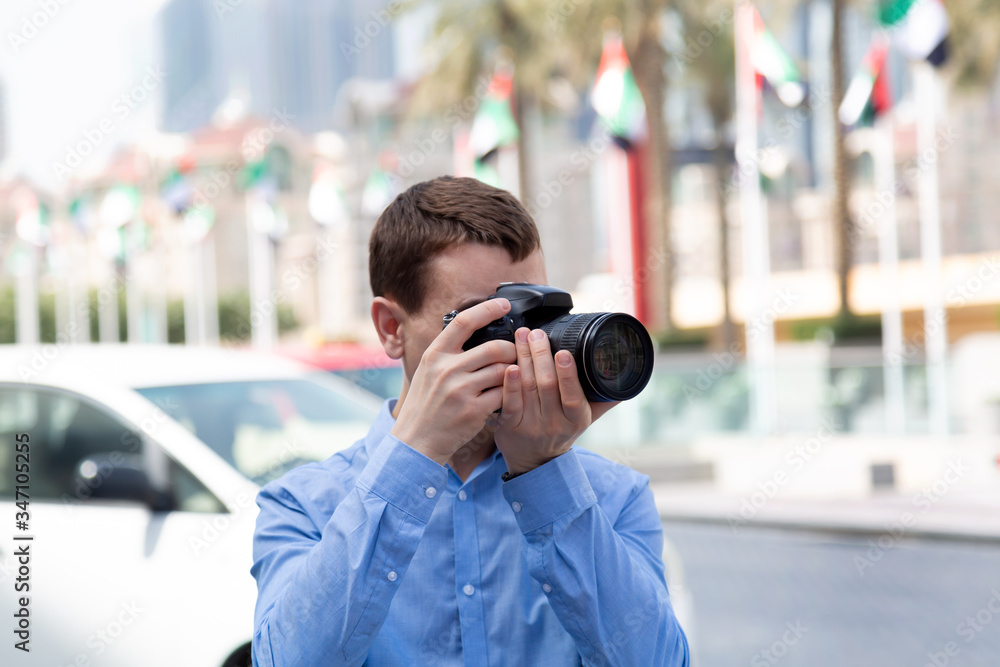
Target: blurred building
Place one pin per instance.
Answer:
(799, 194)
(293, 56)
(4, 111)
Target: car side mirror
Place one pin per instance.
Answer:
(117, 476)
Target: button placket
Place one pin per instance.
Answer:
(472, 616)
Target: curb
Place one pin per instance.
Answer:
(834, 528)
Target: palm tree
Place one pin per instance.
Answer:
(841, 174)
(715, 69)
(545, 42)
(641, 24)
(974, 47)
(472, 36)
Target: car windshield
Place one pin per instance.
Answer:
(383, 382)
(264, 428)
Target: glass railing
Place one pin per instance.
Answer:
(692, 395)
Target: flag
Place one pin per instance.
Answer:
(869, 89)
(119, 205)
(378, 192)
(615, 96)
(32, 221)
(198, 221)
(771, 62)
(494, 125)
(920, 28)
(326, 203)
(81, 209)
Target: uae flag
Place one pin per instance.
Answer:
(494, 125)
(919, 28)
(616, 96)
(868, 95)
(771, 62)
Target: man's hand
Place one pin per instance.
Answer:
(544, 407)
(453, 391)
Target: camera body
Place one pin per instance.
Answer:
(613, 351)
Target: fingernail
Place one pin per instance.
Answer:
(522, 335)
(536, 334)
(514, 372)
(564, 358)
(505, 304)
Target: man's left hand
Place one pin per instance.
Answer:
(544, 407)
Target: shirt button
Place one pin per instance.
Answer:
(430, 492)
(391, 576)
(516, 506)
(468, 590)
(462, 495)
(546, 588)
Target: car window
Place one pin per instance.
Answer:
(264, 428)
(189, 494)
(383, 382)
(63, 430)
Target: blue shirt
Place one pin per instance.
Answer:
(380, 556)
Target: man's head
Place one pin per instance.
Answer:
(445, 244)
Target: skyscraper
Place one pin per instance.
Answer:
(4, 139)
(273, 54)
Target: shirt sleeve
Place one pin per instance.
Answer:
(604, 579)
(323, 590)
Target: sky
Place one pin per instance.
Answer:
(65, 74)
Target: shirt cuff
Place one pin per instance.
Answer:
(404, 478)
(549, 492)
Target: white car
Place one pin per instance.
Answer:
(140, 473)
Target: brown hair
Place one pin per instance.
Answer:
(435, 215)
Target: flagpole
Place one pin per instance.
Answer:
(193, 310)
(134, 302)
(107, 315)
(78, 294)
(263, 329)
(209, 290)
(935, 317)
(888, 253)
(759, 330)
(27, 298)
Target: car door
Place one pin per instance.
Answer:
(115, 581)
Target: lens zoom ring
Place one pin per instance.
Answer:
(572, 333)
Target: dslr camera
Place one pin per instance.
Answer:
(613, 351)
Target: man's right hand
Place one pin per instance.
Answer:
(453, 391)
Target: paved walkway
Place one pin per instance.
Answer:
(937, 487)
(962, 516)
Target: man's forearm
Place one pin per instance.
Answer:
(601, 579)
(322, 599)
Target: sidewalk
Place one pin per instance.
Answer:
(885, 516)
(940, 489)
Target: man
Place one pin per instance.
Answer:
(409, 548)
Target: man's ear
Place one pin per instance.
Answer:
(387, 316)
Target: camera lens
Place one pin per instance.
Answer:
(618, 354)
(613, 351)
